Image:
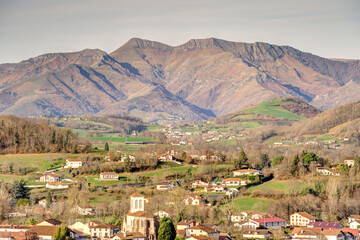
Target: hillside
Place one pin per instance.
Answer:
(343, 121)
(282, 110)
(18, 135)
(194, 81)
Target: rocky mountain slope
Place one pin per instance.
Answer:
(193, 81)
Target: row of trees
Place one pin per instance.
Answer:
(18, 135)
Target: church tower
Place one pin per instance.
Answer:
(137, 202)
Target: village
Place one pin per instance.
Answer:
(153, 201)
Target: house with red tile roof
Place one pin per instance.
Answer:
(326, 225)
(301, 219)
(273, 222)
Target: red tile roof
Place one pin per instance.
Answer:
(269, 220)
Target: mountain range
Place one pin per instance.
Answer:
(199, 79)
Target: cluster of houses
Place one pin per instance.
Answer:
(139, 224)
(303, 226)
(227, 185)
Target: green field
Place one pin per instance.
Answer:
(271, 109)
(38, 162)
(10, 178)
(282, 186)
(120, 139)
(248, 203)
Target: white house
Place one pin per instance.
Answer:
(350, 161)
(201, 230)
(103, 231)
(353, 218)
(50, 178)
(328, 171)
(109, 176)
(165, 186)
(130, 157)
(234, 182)
(301, 219)
(249, 171)
(354, 225)
(216, 188)
(199, 184)
(273, 222)
(247, 225)
(165, 213)
(238, 217)
(231, 191)
(42, 203)
(73, 163)
(182, 225)
(86, 210)
(257, 234)
(190, 200)
(57, 185)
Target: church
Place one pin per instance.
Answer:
(140, 221)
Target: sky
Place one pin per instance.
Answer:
(28, 28)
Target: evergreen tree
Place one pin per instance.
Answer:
(308, 158)
(264, 160)
(107, 148)
(19, 190)
(277, 160)
(48, 199)
(242, 159)
(62, 233)
(167, 230)
(295, 166)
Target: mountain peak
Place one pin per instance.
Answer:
(145, 44)
(200, 43)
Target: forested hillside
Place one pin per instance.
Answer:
(18, 135)
(343, 120)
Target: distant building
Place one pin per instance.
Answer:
(50, 178)
(273, 222)
(201, 230)
(57, 185)
(326, 225)
(241, 172)
(140, 221)
(350, 161)
(73, 163)
(257, 234)
(199, 184)
(190, 200)
(165, 186)
(109, 176)
(165, 213)
(328, 171)
(301, 219)
(234, 182)
(103, 231)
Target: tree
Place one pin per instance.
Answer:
(19, 190)
(242, 159)
(48, 199)
(295, 166)
(277, 160)
(107, 148)
(32, 221)
(264, 158)
(62, 233)
(308, 158)
(167, 230)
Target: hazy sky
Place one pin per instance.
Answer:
(29, 28)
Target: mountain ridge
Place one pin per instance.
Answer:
(200, 77)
